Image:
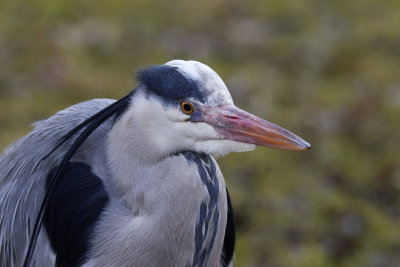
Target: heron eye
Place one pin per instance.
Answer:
(187, 107)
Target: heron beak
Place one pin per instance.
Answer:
(233, 123)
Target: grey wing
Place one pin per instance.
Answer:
(23, 175)
(229, 239)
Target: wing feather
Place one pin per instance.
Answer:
(23, 175)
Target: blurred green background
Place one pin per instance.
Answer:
(327, 70)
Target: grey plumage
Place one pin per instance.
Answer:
(22, 178)
(155, 194)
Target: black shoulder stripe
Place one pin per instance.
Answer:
(229, 240)
(74, 208)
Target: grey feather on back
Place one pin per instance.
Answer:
(23, 175)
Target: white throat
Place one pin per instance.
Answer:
(151, 131)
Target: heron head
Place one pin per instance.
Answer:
(185, 105)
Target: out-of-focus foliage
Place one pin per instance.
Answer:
(326, 70)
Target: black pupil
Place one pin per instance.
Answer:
(187, 107)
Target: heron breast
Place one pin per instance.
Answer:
(206, 227)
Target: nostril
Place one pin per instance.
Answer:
(230, 115)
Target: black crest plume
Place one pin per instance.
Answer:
(87, 127)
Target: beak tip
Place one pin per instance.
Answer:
(307, 146)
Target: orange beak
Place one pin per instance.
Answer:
(233, 123)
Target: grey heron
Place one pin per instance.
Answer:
(132, 182)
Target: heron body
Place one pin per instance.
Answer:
(143, 188)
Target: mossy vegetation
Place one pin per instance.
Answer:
(326, 70)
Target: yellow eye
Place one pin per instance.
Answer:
(187, 107)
